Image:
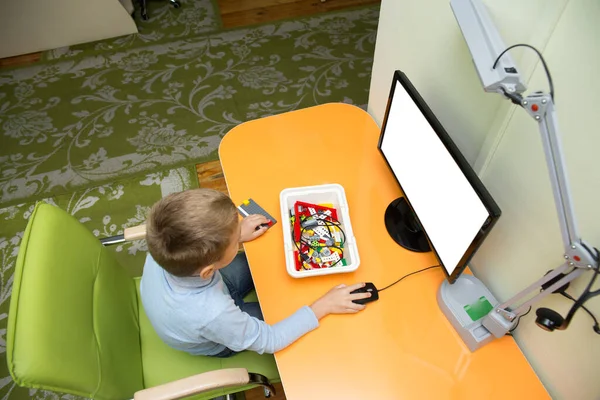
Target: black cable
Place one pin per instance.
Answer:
(308, 243)
(320, 222)
(587, 292)
(316, 248)
(593, 293)
(596, 325)
(324, 222)
(407, 275)
(519, 320)
(541, 58)
(585, 295)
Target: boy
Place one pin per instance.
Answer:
(194, 282)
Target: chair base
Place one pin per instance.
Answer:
(233, 396)
(144, 10)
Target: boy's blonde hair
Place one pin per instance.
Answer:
(189, 230)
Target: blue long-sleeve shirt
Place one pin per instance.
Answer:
(199, 316)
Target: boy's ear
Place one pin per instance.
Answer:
(207, 272)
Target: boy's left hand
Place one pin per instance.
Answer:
(249, 225)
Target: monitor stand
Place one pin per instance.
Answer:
(467, 301)
(402, 225)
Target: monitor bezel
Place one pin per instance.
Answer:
(485, 197)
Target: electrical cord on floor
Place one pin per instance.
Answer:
(407, 275)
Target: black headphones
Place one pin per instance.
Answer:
(549, 320)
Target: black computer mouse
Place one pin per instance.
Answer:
(369, 287)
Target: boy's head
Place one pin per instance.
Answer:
(193, 232)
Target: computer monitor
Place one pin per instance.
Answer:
(445, 207)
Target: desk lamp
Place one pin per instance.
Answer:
(498, 74)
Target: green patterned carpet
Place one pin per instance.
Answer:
(86, 120)
(103, 130)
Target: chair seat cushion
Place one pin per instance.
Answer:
(163, 364)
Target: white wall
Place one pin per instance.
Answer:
(422, 39)
(27, 26)
(527, 242)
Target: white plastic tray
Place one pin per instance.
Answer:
(333, 194)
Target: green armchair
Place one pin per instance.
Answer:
(76, 325)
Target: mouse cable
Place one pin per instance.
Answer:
(407, 275)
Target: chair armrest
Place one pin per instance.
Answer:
(205, 382)
(134, 233)
(195, 384)
(129, 234)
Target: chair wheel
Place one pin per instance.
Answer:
(267, 392)
(145, 16)
(175, 3)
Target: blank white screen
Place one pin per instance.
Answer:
(448, 207)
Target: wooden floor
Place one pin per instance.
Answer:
(237, 13)
(19, 61)
(210, 176)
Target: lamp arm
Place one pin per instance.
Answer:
(577, 254)
(498, 74)
(540, 107)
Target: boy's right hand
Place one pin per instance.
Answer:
(339, 301)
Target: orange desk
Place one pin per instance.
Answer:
(400, 347)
